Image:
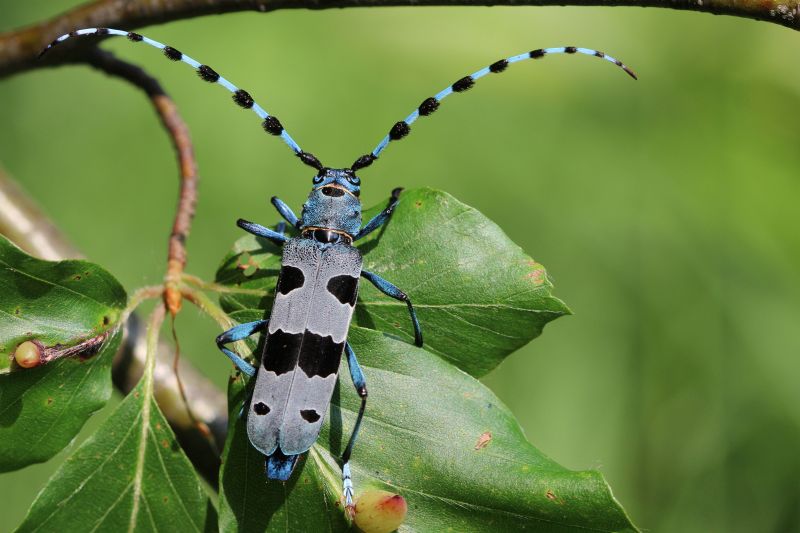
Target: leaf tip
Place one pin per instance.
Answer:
(379, 511)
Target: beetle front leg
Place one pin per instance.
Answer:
(380, 219)
(260, 231)
(286, 212)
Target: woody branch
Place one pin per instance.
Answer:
(19, 48)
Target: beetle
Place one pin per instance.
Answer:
(317, 289)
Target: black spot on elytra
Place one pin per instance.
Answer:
(291, 278)
(399, 131)
(320, 356)
(261, 408)
(315, 355)
(463, 84)
(135, 37)
(498, 66)
(428, 106)
(272, 126)
(309, 415)
(281, 352)
(535, 54)
(207, 73)
(343, 288)
(243, 99)
(172, 54)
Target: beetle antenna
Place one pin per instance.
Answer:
(270, 123)
(431, 104)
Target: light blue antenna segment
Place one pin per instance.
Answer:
(443, 93)
(401, 129)
(412, 117)
(242, 98)
(520, 57)
(260, 111)
(381, 145)
(481, 73)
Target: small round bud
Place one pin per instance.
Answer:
(378, 511)
(28, 354)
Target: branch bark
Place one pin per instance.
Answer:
(20, 48)
(181, 140)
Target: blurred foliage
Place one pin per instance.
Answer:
(66, 306)
(665, 210)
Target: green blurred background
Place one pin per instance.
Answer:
(666, 210)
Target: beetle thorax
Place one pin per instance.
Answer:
(333, 203)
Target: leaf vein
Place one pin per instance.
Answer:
(169, 479)
(85, 481)
(54, 284)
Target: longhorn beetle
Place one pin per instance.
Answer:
(306, 333)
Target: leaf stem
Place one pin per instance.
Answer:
(206, 305)
(140, 295)
(216, 287)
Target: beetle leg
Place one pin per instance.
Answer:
(380, 219)
(260, 231)
(389, 289)
(361, 388)
(238, 333)
(286, 212)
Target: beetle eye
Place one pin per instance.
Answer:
(317, 180)
(355, 180)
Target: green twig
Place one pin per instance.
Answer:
(222, 289)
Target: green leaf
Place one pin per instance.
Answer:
(60, 305)
(131, 475)
(432, 432)
(479, 297)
